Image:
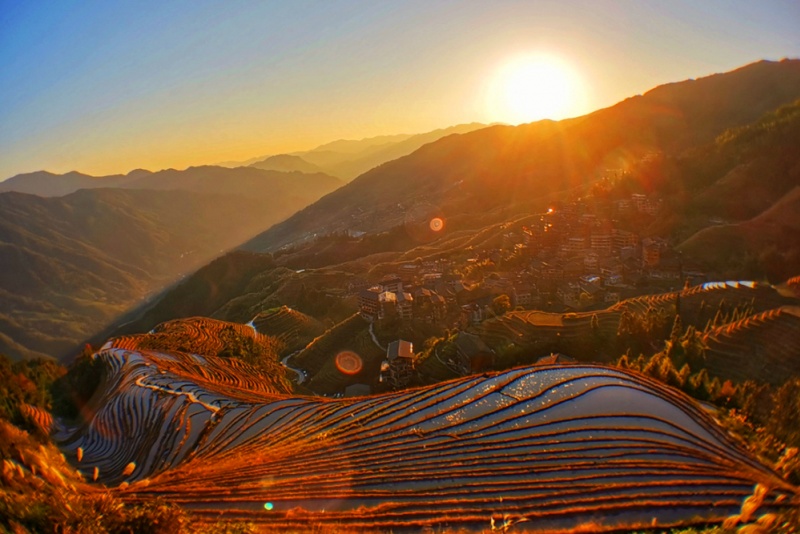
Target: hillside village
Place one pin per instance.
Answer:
(578, 256)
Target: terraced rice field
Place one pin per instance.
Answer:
(209, 337)
(698, 305)
(323, 348)
(548, 448)
(763, 347)
(293, 328)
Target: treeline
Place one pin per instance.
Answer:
(768, 416)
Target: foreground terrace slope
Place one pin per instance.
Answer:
(561, 446)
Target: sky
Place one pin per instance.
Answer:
(109, 86)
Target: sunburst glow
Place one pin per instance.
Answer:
(534, 87)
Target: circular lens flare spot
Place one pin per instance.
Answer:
(348, 362)
(437, 224)
(268, 506)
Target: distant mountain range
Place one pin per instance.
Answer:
(48, 184)
(204, 179)
(286, 163)
(70, 265)
(347, 159)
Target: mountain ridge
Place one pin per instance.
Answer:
(503, 163)
(197, 178)
(72, 264)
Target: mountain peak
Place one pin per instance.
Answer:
(286, 163)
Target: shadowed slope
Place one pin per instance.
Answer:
(562, 447)
(764, 347)
(71, 265)
(698, 304)
(292, 327)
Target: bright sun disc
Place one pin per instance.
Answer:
(534, 87)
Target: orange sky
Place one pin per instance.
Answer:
(109, 88)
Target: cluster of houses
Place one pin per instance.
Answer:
(391, 297)
(573, 257)
(580, 259)
(569, 259)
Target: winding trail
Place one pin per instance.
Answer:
(375, 339)
(285, 362)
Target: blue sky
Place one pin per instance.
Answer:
(105, 87)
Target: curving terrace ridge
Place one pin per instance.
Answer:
(561, 447)
(764, 346)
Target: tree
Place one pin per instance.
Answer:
(677, 330)
(784, 421)
(501, 304)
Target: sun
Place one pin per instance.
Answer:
(533, 87)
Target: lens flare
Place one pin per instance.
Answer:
(348, 362)
(423, 222)
(268, 506)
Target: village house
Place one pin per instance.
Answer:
(398, 369)
(429, 305)
(392, 284)
(375, 304)
(471, 314)
(602, 243)
(405, 305)
(623, 238)
(652, 250)
(524, 295)
(668, 269)
(644, 204)
(590, 262)
(575, 245)
(473, 353)
(590, 293)
(555, 359)
(355, 285)
(369, 303)
(569, 295)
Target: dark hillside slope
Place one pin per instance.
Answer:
(502, 164)
(749, 183)
(71, 265)
(766, 245)
(753, 166)
(204, 291)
